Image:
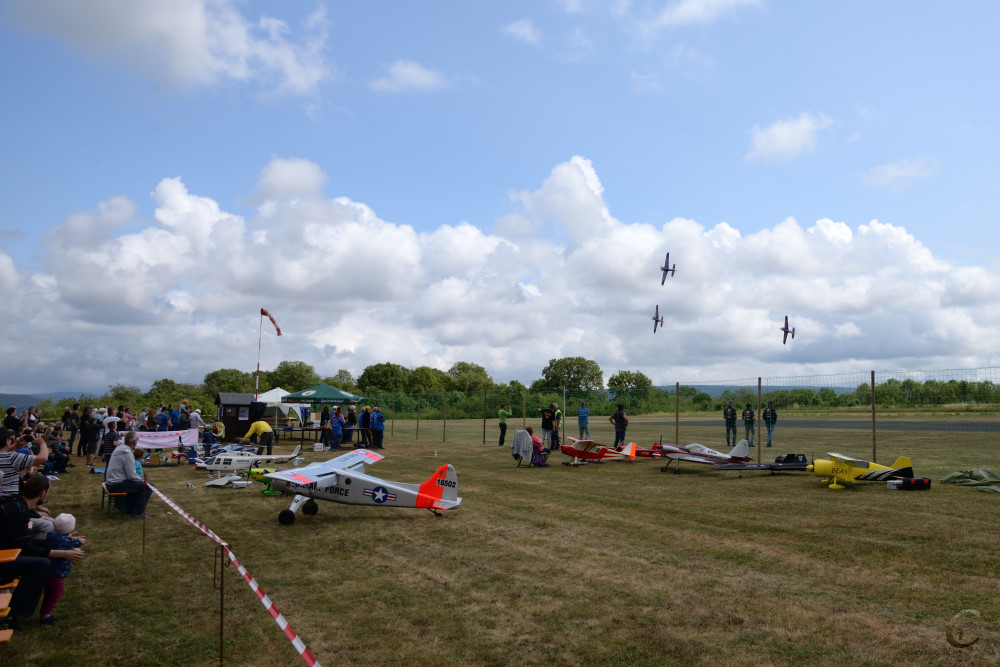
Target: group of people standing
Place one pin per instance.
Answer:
(552, 422)
(337, 428)
(769, 416)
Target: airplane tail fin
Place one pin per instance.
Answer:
(630, 451)
(440, 491)
(904, 466)
(741, 450)
(295, 452)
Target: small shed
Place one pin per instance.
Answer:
(237, 412)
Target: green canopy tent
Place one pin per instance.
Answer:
(322, 394)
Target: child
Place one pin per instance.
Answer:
(61, 537)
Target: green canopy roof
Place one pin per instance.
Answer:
(322, 394)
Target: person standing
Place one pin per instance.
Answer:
(620, 420)
(556, 425)
(748, 425)
(548, 417)
(583, 421)
(352, 425)
(502, 415)
(770, 417)
(337, 424)
(74, 425)
(729, 414)
(365, 424)
(377, 427)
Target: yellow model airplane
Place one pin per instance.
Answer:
(840, 468)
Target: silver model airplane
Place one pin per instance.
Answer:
(233, 461)
(343, 480)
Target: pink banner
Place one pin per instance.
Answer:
(167, 439)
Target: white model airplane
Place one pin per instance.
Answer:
(697, 453)
(343, 480)
(233, 461)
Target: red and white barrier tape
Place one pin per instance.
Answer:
(254, 586)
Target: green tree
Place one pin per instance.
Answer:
(293, 376)
(572, 373)
(342, 380)
(629, 385)
(385, 377)
(425, 379)
(125, 394)
(228, 380)
(466, 376)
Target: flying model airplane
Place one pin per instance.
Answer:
(343, 480)
(697, 453)
(585, 451)
(657, 320)
(232, 461)
(667, 269)
(787, 331)
(840, 468)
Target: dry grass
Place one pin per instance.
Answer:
(612, 564)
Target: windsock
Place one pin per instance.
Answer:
(263, 311)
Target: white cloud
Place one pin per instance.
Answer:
(787, 139)
(523, 30)
(188, 42)
(407, 75)
(901, 173)
(178, 295)
(700, 12)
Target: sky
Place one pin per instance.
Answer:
(498, 183)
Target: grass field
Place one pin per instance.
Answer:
(604, 564)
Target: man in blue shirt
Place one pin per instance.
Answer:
(377, 427)
(583, 421)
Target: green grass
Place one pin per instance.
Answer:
(604, 564)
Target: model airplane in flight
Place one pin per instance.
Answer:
(787, 331)
(343, 480)
(587, 451)
(839, 468)
(232, 461)
(657, 320)
(697, 453)
(666, 268)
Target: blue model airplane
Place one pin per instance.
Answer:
(666, 268)
(787, 331)
(657, 320)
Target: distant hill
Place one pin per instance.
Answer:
(716, 390)
(22, 401)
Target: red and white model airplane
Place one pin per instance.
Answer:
(666, 268)
(657, 320)
(787, 331)
(585, 451)
(696, 453)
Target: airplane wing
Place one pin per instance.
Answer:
(854, 463)
(317, 471)
(223, 481)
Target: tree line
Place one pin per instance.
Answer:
(466, 390)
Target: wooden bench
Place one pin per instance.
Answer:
(117, 499)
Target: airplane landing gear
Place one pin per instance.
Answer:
(286, 517)
(310, 507)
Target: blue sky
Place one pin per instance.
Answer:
(426, 183)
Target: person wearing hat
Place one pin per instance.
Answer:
(729, 414)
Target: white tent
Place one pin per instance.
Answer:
(275, 406)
